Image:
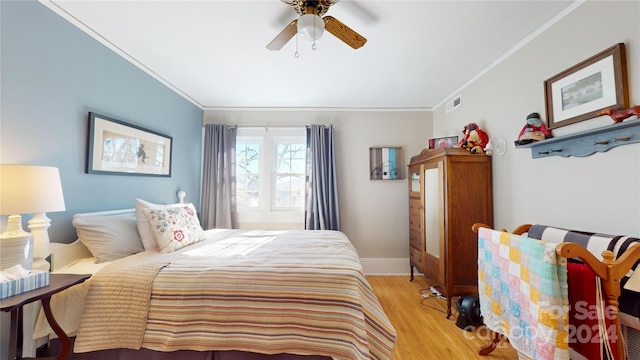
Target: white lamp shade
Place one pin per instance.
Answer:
(310, 26)
(28, 189)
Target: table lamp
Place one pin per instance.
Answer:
(29, 189)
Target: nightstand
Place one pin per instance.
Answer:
(14, 304)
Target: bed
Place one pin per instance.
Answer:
(215, 294)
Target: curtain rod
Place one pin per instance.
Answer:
(266, 127)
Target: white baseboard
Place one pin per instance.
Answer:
(386, 266)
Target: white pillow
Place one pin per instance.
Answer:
(174, 227)
(109, 238)
(146, 235)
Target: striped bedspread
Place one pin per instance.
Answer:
(523, 293)
(299, 292)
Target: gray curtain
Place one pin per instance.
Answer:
(218, 202)
(321, 206)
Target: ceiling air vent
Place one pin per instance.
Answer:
(454, 103)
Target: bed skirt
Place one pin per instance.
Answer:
(129, 354)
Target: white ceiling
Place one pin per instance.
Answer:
(418, 53)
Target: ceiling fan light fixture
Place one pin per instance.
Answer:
(310, 26)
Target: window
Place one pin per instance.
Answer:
(248, 172)
(270, 168)
(289, 161)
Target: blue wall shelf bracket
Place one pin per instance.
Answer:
(588, 142)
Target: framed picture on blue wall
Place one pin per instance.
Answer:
(119, 148)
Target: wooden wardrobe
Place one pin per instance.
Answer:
(450, 189)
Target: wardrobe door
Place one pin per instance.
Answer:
(433, 222)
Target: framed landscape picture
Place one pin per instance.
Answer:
(116, 147)
(581, 91)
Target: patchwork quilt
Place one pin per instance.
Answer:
(523, 293)
(596, 243)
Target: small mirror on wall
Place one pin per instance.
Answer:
(386, 163)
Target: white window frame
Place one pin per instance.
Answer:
(261, 169)
(275, 140)
(269, 138)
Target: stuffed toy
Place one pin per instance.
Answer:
(533, 130)
(465, 136)
(489, 148)
(474, 139)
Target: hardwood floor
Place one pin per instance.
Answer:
(423, 330)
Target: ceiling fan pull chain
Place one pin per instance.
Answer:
(314, 46)
(296, 54)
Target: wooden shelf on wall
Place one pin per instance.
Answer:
(588, 142)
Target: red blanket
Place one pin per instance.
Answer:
(585, 336)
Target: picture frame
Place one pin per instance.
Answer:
(119, 148)
(580, 92)
(386, 163)
(446, 142)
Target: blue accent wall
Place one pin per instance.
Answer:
(52, 75)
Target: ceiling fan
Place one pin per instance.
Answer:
(311, 25)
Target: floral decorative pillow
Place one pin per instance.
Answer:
(174, 227)
(146, 235)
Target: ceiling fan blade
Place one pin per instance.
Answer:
(343, 32)
(285, 35)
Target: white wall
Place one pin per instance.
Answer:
(598, 193)
(374, 214)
